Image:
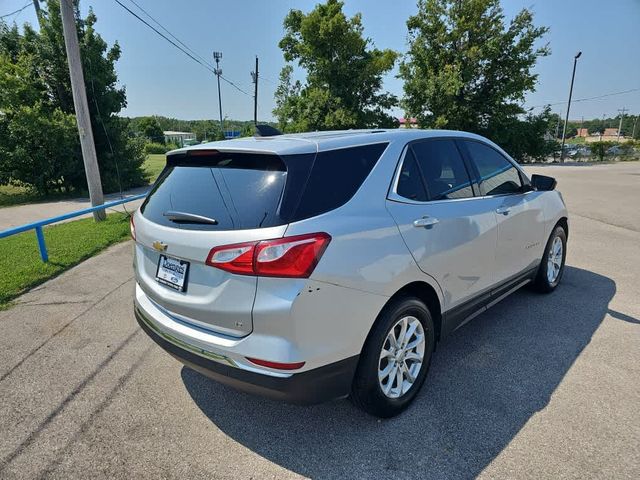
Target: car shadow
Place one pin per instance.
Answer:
(486, 381)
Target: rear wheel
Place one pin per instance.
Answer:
(395, 359)
(552, 265)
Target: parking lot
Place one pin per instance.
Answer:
(537, 387)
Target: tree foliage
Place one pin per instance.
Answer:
(466, 69)
(150, 128)
(39, 144)
(343, 86)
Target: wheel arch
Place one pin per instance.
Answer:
(564, 223)
(427, 294)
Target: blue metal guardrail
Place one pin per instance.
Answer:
(37, 226)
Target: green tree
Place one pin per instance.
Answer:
(35, 117)
(150, 128)
(466, 69)
(529, 138)
(343, 86)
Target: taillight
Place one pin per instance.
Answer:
(236, 258)
(132, 227)
(293, 257)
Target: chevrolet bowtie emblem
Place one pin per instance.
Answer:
(159, 246)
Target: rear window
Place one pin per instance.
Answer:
(234, 191)
(237, 191)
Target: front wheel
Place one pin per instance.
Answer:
(552, 265)
(395, 359)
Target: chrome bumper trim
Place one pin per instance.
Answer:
(181, 344)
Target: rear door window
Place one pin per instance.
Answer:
(237, 191)
(410, 183)
(443, 169)
(498, 176)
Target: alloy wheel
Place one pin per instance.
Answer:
(401, 357)
(554, 260)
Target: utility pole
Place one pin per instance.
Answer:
(622, 112)
(564, 129)
(36, 5)
(635, 122)
(217, 56)
(254, 77)
(81, 107)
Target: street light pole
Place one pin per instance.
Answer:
(566, 120)
(217, 56)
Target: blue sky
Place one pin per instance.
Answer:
(161, 80)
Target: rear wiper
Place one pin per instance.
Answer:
(183, 217)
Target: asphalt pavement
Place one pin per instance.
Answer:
(540, 386)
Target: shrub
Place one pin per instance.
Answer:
(599, 149)
(156, 148)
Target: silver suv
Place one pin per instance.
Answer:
(315, 266)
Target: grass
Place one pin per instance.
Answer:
(11, 195)
(68, 244)
(153, 165)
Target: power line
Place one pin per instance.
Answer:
(17, 11)
(268, 80)
(235, 86)
(186, 50)
(597, 97)
(171, 34)
(164, 36)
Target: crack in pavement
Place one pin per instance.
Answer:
(32, 304)
(101, 407)
(68, 399)
(36, 349)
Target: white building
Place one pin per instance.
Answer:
(179, 138)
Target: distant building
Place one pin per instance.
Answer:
(583, 132)
(609, 135)
(408, 122)
(179, 138)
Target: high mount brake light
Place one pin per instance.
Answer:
(292, 257)
(202, 153)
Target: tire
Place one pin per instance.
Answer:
(547, 279)
(368, 391)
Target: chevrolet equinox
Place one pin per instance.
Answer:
(321, 265)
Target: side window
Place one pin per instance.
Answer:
(498, 176)
(335, 177)
(443, 169)
(409, 182)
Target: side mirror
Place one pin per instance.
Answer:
(543, 183)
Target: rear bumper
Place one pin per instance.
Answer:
(305, 388)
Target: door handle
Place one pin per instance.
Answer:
(425, 222)
(503, 210)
